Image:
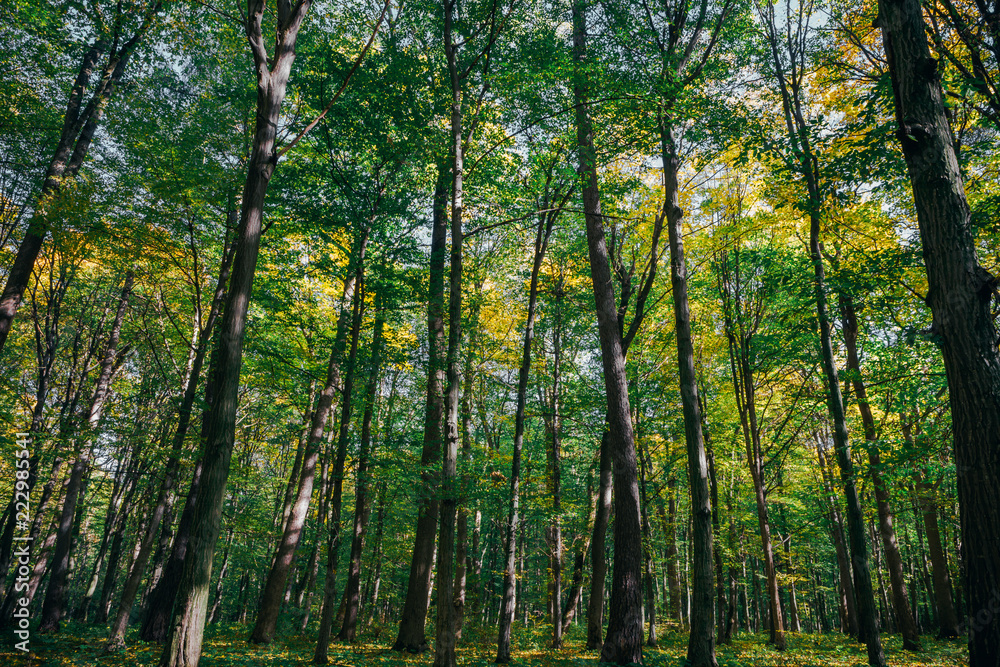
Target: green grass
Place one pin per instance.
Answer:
(225, 645)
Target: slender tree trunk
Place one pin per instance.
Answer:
(579, 560)
(808, 165)
(554, 427)
(274, 588)
(444, 649)
(462, 559)
(183, 645)
(701, 644)
(348, 631)
(649, 575)
(507, 604)
(55, 595)
(79, 126)
(960, 294)
(890, 547)
(328, 617)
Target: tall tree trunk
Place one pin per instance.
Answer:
(890, 547)
(444, 648)
(411, 635)
(270, 603)
(507, 604)
(960, 292)
(183, 645)
(623, 642)
(348, 631)
(701, 643)
(807, 164)
(328, 617)
(55, 594)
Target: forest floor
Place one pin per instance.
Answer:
(225, 645)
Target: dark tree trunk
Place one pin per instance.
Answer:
(411, 636)
(183, 645)
(890, 547)
(623, 642)
(960, 292)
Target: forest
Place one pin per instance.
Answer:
(470, 332)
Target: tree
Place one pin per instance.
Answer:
(960, 292)
(183, 645)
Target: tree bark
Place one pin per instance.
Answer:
(960, 292)
(623, 642)
(444, 649)
(411, 636)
